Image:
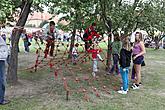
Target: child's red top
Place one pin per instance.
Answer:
(94, 52)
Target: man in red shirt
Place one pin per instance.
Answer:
(90, 35)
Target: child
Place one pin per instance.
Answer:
(116, 47)
(95, 56)
(125, 60)
(75, 53)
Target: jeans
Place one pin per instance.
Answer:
(125, 79)
(2, 80)
(26, 46)
(115, 64)
(74, 58)
(50, 44)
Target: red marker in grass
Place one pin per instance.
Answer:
(56, 74)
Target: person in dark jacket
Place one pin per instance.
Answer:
(125, 60)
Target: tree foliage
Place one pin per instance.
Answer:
(6, 7)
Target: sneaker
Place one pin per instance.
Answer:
(94, 74)
(134, 86)
(122, 89)
(5, 102)
(140, 84)
(122, 92)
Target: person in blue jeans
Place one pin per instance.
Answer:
(3, 57)
(125, 60)
(25, 40)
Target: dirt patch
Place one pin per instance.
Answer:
(25, 88)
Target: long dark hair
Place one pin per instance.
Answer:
(116, 37)
(140, 36)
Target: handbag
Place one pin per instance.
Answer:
(143, 63)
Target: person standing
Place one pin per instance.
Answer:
(50, 34)
(3, 57)
(75, 54)
(95, 57)
(25, 40)
(125, 60)
(116, 47)
(138, 57)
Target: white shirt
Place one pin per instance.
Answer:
(133, 37)
(3, 49)
(74, 51)
(46, 30)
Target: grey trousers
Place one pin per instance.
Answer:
(95, 63)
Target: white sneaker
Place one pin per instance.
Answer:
(94, 74)
(140, 84)
(122, 92)
(135, 87)
(122, 89)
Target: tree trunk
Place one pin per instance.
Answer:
(108, 24)
(12, 69)
(109, 53)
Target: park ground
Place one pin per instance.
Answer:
(40, 91)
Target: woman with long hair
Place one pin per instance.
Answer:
(138, 57)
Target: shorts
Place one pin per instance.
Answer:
(138, 60)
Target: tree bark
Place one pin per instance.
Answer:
(109, 51)
(13, 65)
(108, 24)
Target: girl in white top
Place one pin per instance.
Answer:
(75, 53)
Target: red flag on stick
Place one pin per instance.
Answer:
(55, 74)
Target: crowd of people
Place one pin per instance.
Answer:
(122, 52)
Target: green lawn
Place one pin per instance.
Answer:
(40, 91)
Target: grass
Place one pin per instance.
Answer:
(40, 91)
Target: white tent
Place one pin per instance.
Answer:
(144, 34)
